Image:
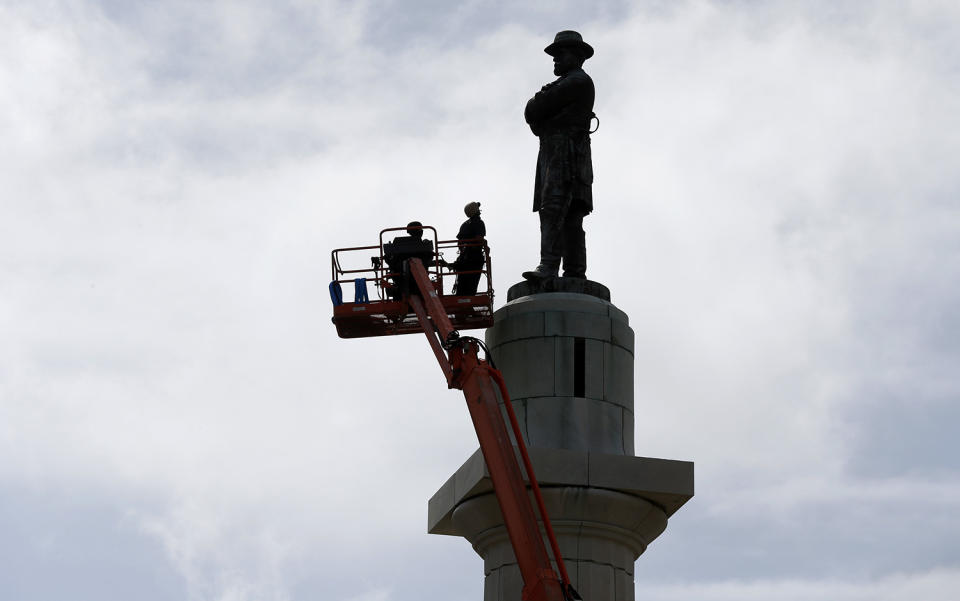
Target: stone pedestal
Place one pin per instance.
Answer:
(566, 354)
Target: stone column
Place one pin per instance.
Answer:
(566, 354)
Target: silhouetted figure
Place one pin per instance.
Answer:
(401, 249)
(470, 257)
(560, 114)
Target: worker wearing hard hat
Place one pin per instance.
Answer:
(399, 250)
(471, 256)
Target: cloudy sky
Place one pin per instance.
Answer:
(776, 209)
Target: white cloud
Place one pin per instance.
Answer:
(935, 585)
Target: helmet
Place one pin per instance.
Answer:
(472, 209)
(415, 229)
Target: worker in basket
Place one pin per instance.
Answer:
(405, 247)
(470, 257)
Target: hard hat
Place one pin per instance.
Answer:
(415, 229)
(472, 209)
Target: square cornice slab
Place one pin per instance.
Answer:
(665, 482)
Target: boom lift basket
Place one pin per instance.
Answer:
(383, 311)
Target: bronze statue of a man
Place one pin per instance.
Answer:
(560, 114)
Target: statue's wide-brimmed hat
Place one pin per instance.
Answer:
(569, 39)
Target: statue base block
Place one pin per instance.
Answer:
(567, 356)
(576, 285)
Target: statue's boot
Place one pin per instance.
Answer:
(542, 272)
(552, 212)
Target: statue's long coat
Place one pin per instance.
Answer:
(560, 114)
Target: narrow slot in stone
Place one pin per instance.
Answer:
(579, 367)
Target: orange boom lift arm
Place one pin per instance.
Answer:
(463, 369)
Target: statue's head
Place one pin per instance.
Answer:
(414, 228)
(472, 209)
(568, 51)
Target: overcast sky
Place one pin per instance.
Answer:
(776, 209)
